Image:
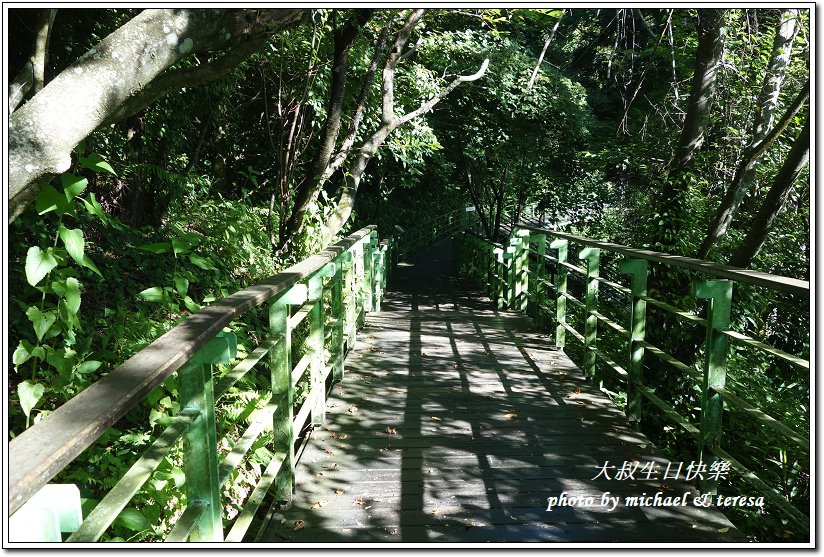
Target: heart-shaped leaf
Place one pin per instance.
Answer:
(30, 394)
(38, 264)
(40, 320)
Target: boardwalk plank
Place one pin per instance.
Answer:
(454, 423)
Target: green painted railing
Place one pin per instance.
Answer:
(532, 273)
(333, 289)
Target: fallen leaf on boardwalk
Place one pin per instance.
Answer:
(342, 437)
(436, 418)
(298, 525)
(319, 474)
(333, 435)
(391, 430)
(511, 416)
(470, 525)
(339, 492)
(320, 504)
(327, 451)
(353, 409)
(577, 391)
(359, 501)
(580, 402)
(724, 530)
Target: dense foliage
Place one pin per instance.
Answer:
(199, 194)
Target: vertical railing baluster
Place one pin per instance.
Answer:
(359, 259)
(500, 293)
(592, 257)
(539, 287)
(196, 386)
(509, 266)
(718, 294)
(637, 270)
(520, 278)
(280, 359)
(560, 289)
(339, 317)
(315, 342)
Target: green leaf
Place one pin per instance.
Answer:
(21, 354)
(38, 264)
(178, 476)
(73, 240)
(88, 263)
(96, 163)
(190, 304)
(38, 353)
(30, 394)
(181, 285)
(153, 294)
(73, 185)
(72, 295)
(133, 520)
(41, 321)
(204, 264)
(94, 208)
(161, 247)
(89, 366)
(49, 199)
(181, 246)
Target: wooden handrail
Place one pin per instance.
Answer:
(43, 450)
(776, 282)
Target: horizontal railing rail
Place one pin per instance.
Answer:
(348, 277)
(532, 273)
(412, 240)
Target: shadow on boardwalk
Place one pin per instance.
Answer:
(455, 423)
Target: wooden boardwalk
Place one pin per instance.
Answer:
(455, 423)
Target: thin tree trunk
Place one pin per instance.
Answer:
(746, 170)
(552, 31)
(32, 76)
(345, 200)
(796, 160)
(707, 62)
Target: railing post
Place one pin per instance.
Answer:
(349, 316)
(338, 316)
(367, 286)
(315, 342)
(521, 266)
(637, 270)
(200, 442)
(718, 294)
(280, 358)
(509, 266)
(380, 276)
(500, 293)
(560, 289)
(358, 264)
(539, 287)
(592, 257)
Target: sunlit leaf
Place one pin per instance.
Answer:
(96, 163)
(40, 320)
(72, 185)
(72, 296)
(73, 240)
(132, 519)
(38, 264)
(153, 294)
(30, 394)
(49, 199)
(160, 247)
